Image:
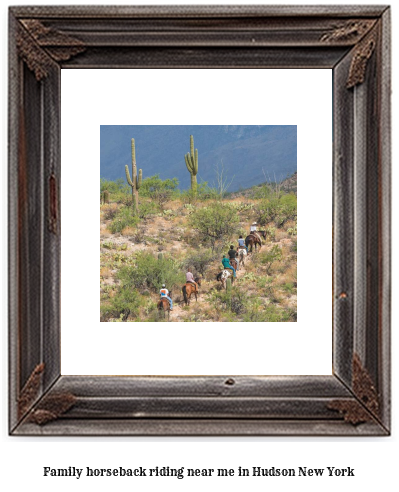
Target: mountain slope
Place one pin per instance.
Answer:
(246, 153)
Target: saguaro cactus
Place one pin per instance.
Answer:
(192, 164)
(136, 181)
(105, 196)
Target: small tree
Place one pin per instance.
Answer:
(160, 191)
(278, 210)
(200, 260)
(275, 254)
(223, 182)
(214, 223)
(150, 272)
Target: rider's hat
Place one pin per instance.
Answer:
(253, 223)
(163, 285)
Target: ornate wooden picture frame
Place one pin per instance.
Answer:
(353, 41)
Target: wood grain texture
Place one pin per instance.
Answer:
(14, 94)
(200, 427)
(213, 57)
(384, 145)
(177, 11)
(203, 37)
(51, 243)
(249, 31)
(343, 153)
(203, 386)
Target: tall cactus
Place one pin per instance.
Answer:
(192, 164)
(135, 183)
(105, 196)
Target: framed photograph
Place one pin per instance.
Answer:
(160, 96)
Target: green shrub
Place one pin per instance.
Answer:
(149, 272)
(267, 259)
(276, 314)
(118, 190)
(124, 218)
(200, 260)
(124, 304)
(271, 232)
(204, 192)
(263, 282)
(147, 208)
(288, 287)
(254, 312)
(278, 209)
(261, 192)
(235, 300)
(214, 223)
(109, 245)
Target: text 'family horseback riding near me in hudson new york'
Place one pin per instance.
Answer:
(198, 223)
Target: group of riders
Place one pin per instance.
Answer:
(233, 254)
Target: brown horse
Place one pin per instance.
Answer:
(189, 288)
(255, 239)
(234, 264)
(164, 305)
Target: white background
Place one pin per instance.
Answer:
(222, 97)
(22, 459)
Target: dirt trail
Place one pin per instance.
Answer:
(170, 236)
(180, 311)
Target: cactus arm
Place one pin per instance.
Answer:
(139, 179)
(195, 164)
(191, 160)
(128, 176)
(188, 162)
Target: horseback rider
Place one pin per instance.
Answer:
(253, 228)
(165, 294)
(241, 243)
(233, 255)
(190, 279)
(226, 264)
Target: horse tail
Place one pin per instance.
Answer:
(219, 276)
(185, 294)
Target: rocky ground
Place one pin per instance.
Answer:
(167, 232)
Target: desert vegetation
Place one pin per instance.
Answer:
(151, 232)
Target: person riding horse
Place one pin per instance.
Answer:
(165, 295)
(190, 279)
(227, 266)
(255, 237)
(241, 243)
(233, 255)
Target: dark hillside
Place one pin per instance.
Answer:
(247, 153)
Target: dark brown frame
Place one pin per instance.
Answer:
(354, 41)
